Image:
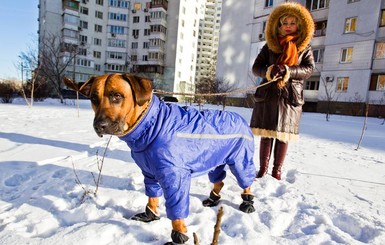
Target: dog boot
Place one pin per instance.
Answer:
(212, 201)
(247, 204)
(147, 216)
(178, 238)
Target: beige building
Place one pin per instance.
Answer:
(348, 44)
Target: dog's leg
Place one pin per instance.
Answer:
(179, 230)
(247, 204)
(213, 200)
(151, 212)
(153, 204)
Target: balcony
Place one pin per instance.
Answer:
(159, 4)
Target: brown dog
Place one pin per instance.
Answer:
(171, 144)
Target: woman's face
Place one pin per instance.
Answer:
(289, 26)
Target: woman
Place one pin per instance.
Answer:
(286, 60)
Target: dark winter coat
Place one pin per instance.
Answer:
(171, 144)
(277, 112)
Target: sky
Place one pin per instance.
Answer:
(330, 193)
(18, 28)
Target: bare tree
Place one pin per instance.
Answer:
(330, 94)
(54, 58)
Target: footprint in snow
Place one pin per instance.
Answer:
(16, 180)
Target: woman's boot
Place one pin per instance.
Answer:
(264, 156)
(280, 150)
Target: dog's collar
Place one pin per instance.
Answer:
(147, 105)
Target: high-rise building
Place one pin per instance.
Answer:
(209, 27)
(348, 44)
(154, 38)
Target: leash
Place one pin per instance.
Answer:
(238, 91)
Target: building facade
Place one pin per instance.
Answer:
(154, 38)
(348, 44)
(208, 40)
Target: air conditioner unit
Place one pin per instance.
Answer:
(145, 10)
(113, 34)
(133, 11)
(261, 36)
(136, 36)
(82, 43)
(329, 79)
(80, 28)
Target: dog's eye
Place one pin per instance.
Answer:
(116, 98)
(94, 99)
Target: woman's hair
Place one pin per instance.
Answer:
(283, 17)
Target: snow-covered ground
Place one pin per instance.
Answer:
(330, 193)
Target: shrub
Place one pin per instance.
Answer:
(8, 91)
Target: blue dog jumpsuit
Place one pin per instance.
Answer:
(171, 144)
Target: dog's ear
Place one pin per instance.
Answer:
(141, 87)
(85, 89)
(70, 84)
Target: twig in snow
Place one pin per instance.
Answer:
(217, 227)
(96, 180)
(196, 240)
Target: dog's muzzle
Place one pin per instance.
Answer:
(106, 126)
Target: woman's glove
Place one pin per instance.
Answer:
(278, 71)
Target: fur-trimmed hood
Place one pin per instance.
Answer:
(294, 9)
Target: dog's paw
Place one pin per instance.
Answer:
(212, 201)
(146, 217)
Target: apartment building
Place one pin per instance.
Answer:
(209, 27)
(154, 38)
(348, 44)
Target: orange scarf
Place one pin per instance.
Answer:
(289, 55)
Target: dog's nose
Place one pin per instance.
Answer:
(100, 127)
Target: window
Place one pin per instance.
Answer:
(117, 29)
(97, 54)
(320, 28)
(98, 14)
(98, 28)
(97, 41)
(134, 45)
(99, 2)
(377, 82)
(147, 32)
(382, 21)
(97, 67)
(82, 51)
(71, 20)
(317, 4)
(83, 39)
(350, 25)
(269, 3)
(144, 58)
(119, 4)
(135, 33)
(146, 45)
(312, 85)
(380, 50)
(113, 42)
(84, 10)
(137, 6)
(342, 84)
(83, 24)
(117, 16)
(115, 55)
(136, 19)
(147, 18)
(318, 55)
(346, 55)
